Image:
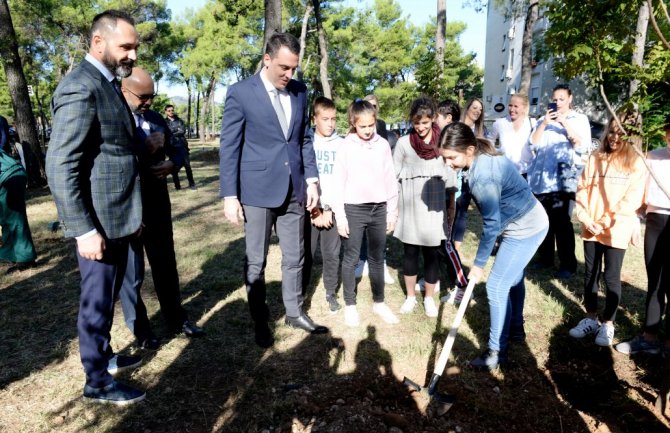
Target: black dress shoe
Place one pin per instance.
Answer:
(263, 335)
(149, 343)
(192, 330)
(306, 324)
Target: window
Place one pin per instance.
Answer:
(502, 73)
(534, 95)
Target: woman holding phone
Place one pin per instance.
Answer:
(557, 142)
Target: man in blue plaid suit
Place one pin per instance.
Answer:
(93, 175)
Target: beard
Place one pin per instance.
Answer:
(120, 68)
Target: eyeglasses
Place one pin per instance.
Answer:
(141, 97)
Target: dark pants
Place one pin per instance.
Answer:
(134, 310)
(157, 240)
(100, 284)
(189, 172)
(330, 243)
(656, 258)
(431, 262)
(368, 219)
(594, 253)
(461, 217)
(288, 221)
(561, 234)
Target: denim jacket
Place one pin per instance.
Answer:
(501, 195)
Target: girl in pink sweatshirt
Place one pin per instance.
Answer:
(365, 200)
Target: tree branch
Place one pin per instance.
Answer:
(655, 24)
(614, 117)
(665, 11)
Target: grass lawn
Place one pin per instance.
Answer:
(347, 381)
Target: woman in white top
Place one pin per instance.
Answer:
(557, 143)
(513, 132)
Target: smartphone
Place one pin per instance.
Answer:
(552, 106)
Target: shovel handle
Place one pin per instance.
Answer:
(446, 350)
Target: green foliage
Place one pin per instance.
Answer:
(373, 49)
(594, 39)
(461, 72)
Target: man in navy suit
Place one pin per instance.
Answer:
(92, 170)
(269, 176)
(153, 144)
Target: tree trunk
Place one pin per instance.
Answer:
(527, 46)
(188, 107)
(197, 113)
(323, 49)
(440, 37)
(212, 114)
(204, 107)
(640, 39)
(303, 39)
(18, 90)
(272, 19)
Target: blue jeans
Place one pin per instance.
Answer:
(505, 283)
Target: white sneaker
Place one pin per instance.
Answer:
(605, 335)
(429, 306)
(361, 269)
(420, 286)
(351, 316)
(408, 305)
(383, 311)
(388, 279)
(586, 327)
(454, 297)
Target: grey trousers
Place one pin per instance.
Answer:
(288, 221)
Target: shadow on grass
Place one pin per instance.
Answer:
(586, 376)
(38, 312)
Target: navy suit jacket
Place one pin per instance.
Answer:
(92, 163)
(175, 154)
(256, 161)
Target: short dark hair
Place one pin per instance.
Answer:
(109, 18)
(169, 106)
(563, 86)
(447, 107)
(323, 103)
(279, 40)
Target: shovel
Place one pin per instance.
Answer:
(431, 389)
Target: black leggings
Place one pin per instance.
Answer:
(594, 252)
(431, 268)
(656, 250)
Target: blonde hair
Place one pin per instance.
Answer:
(524, 99)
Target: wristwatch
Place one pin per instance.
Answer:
(326, 208)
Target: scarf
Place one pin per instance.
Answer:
(425, 150)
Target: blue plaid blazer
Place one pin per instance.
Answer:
(91, 162)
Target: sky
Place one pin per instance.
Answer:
(419, 12)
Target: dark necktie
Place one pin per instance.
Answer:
(117, 87)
